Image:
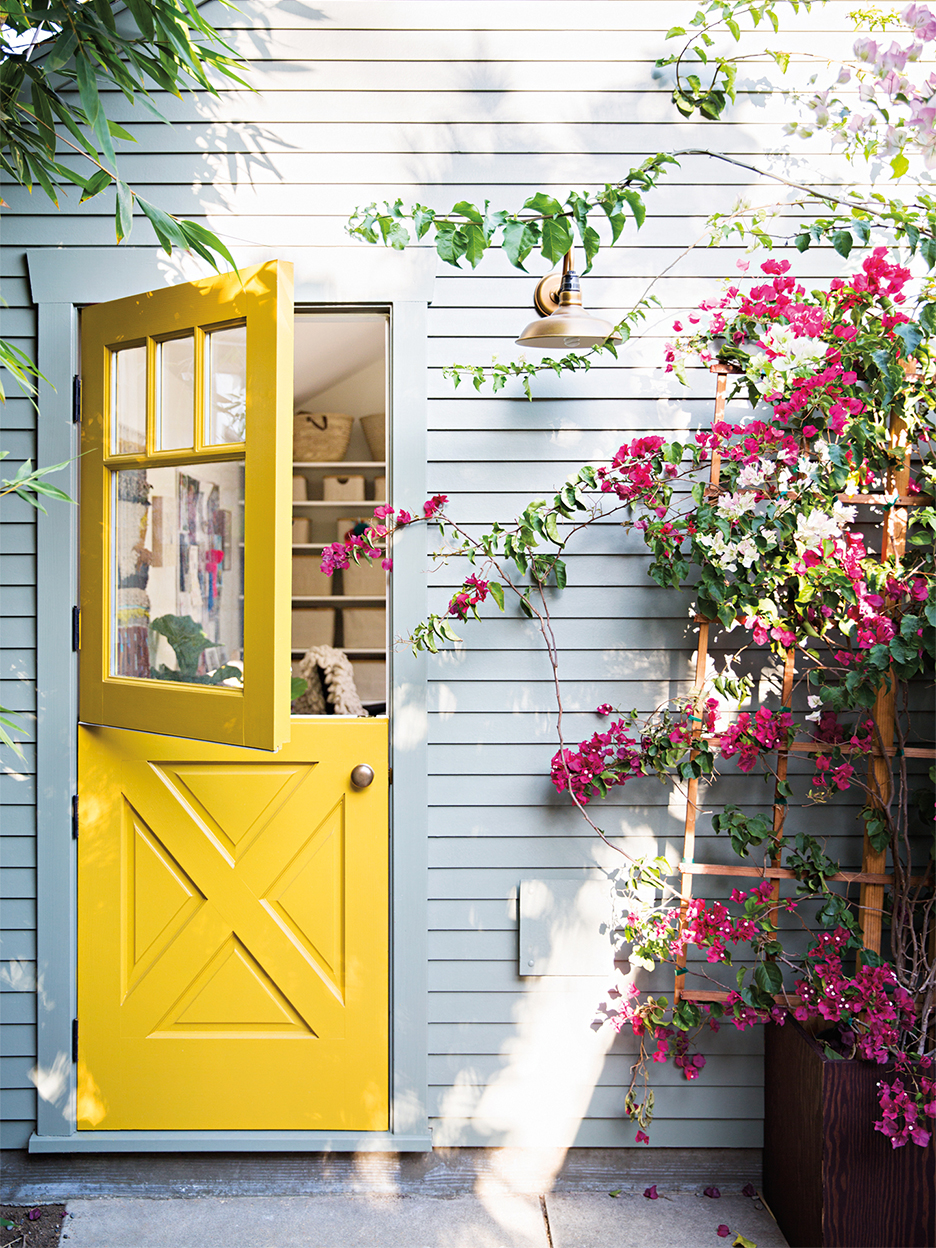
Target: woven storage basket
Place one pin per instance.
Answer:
(320, 436)
(375, 430)
(308, 579)
(365, 628)
(370, 677)
(343, 489)
(313, 626)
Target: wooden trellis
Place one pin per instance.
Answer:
(872, 876)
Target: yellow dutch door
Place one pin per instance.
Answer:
(232, 881)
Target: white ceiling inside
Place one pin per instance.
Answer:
(330, 349)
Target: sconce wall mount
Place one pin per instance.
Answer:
(565, 325)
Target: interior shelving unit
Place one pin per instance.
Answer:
(348, 610)
(340, 373)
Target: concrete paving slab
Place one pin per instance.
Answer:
(496, 1220)
(684, 1220)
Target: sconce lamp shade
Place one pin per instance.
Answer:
(569, 327)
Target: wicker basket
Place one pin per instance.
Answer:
(375, 430)
(320, 436)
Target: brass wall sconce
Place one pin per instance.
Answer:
(565, 325)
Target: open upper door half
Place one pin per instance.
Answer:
(185, 509)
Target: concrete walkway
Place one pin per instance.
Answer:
(494, 1219)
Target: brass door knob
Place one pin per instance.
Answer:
(362, 776)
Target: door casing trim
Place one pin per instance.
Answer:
(61, 282)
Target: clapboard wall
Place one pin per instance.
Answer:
(477, 99)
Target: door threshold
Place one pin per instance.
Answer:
(230, 1142)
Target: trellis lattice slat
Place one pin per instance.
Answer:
(872, 877)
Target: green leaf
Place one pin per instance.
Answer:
(393, 232)
(843, 241)
(124, 212)
(422, 220)
(143, 16)
(166, 227)
(899, 165)
(451, 245)
(43, 111)
(95, 184)
(464, 209)
(544, 204)
(674, 31)
(497, 593)
(475, 243)
(712, 105)
(911, 335)
(591, 243)
(637, 207)
(768, 977)
(557, 238)
(201, 239)
(117, 131)
(519, 240)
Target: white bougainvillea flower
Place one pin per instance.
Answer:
(815, 528)
(736, 505)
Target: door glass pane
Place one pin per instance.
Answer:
(129, 401)
(176, 394)
(178, 571)
(227, 386)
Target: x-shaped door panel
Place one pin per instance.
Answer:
(229, 903)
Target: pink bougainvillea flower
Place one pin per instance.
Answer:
(749, 1190)
(434, 504)
(642, 1138)
(713, 1192)
(723, 1231)
(651, 1193)
(605, 709)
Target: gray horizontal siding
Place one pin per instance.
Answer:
(438, 103)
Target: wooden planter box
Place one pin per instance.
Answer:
(830, 1179)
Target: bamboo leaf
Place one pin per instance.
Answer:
(124, 210)
(100, 181)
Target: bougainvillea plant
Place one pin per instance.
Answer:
(843, 386)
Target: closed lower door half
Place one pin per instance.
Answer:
(233, 932)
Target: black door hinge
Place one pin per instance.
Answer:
(74, 1039)
(76, 399)
(76, 629)
(75, 817)
(389, 775)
